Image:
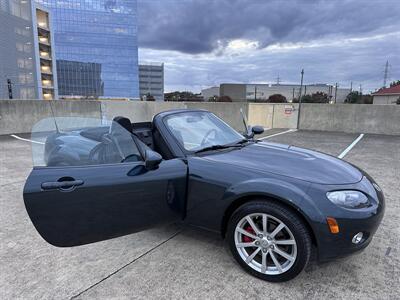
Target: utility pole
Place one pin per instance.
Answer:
(336, 86)
(278, 80)
(255, 93)
(330, 92)
(385, 75)
(301, 84)
(360, 89)
(301, 87)
(9, 86)
(351, 86)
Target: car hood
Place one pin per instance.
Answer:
(291, 161)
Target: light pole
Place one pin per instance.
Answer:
(301, 87)
(336, 86)
(9, 86)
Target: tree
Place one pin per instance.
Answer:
(357, 98)
(224, 99)
(150, 97)
(394, 83)
(318, 97)
(367, 99)
(306, 99)
(182, 96)
(276, 98)
(173, 96)
(352, 97)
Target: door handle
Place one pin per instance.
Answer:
(61, 184)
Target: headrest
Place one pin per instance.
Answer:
(124, 122)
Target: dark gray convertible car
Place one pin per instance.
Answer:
(274, 204)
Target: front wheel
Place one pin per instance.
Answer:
(269, 240)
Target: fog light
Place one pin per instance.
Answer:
(357, 238)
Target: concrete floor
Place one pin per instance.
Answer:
(171, 262)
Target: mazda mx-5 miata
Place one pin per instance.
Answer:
(274, 204)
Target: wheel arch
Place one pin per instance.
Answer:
(267, 198)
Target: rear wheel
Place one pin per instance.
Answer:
(269, 240)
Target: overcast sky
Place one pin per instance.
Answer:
(205, 42)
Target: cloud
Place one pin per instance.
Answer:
(204, 26)
(206, 42)
(357, 60)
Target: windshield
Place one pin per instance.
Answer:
(199, 130)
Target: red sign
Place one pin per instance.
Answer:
(288, 109)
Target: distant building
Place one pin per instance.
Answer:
(261, 92)
(210, 92)
(27, 68)
(386, 95)
(151, 81)
(236, 91)
(101, 36)
(79, 79)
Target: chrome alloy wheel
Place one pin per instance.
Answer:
(265, 243)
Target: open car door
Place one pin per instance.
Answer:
(90, 183)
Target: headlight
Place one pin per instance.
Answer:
(348, 199)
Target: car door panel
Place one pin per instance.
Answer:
(103, 201)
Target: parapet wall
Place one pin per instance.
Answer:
(18, 116)
(354, 118)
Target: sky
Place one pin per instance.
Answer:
(205, 43)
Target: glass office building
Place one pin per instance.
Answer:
(95, 47)
(18, 78)
(27, 70)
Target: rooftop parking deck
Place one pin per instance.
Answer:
(173, 263)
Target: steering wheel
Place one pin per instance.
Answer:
(130, 158)
(205, 138)
(98, 153)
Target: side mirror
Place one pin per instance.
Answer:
(257, 129)
(152, 159)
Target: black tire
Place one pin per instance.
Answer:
(290, 219)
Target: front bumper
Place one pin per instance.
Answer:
(351, 222)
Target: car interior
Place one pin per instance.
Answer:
(148, 134)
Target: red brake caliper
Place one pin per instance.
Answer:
(247, 239)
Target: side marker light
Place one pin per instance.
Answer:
(333, 225)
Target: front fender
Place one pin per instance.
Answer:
(293, 195)
(216, 190)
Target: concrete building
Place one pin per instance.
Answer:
(210, 92)
(386, 95)
(44, 49)
(98, 36)
(261, 92)
(26, 51)
(151, 81)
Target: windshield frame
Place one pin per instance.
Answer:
(194, 152)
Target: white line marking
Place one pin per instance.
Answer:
(26, 140)
(279, 133)
(343, 154)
